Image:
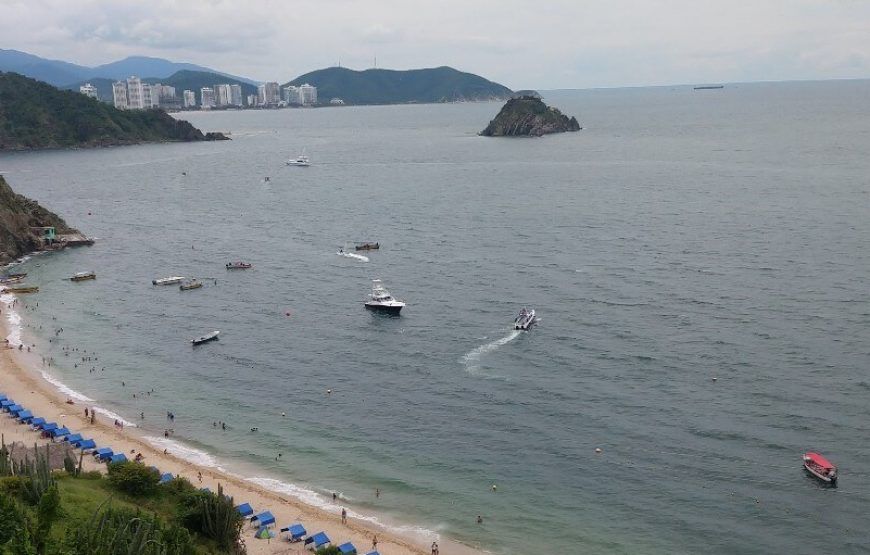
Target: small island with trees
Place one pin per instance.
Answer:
(528, 116)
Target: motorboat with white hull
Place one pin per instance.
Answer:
(380, 300)
(206, 338)
(524, 319)
(301, 161)
(172, 280)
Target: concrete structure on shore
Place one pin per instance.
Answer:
(119, 94)
(268, 95)
(189, 99)
(206, 98)
(88, 90)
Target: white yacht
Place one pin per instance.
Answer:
(524, 319)
(301, 160)
(382, 301)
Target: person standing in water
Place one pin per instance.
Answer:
(343, 515)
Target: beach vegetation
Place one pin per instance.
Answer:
(133, 478)
(328, 550)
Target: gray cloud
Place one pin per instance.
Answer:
(548, 44)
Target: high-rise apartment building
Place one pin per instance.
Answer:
(222, 95)
(308, 94)
(88, 90)
(119, 95)
(189, 99)
(206, 98)
(134, 94)
(268, 94)
(236, 95)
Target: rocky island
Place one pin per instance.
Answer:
(35, 115)
(528, 116)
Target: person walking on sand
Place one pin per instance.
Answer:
(434, 548)
(343, 515)
(375, 542)
(199, 476)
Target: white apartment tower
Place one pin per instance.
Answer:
(119, 95)
(292, 96)
(206, 100)
(222, 95)
(189, 99)
(88, 90)
(308, 94)
(268, 94)
(135, 99)
(236, 95)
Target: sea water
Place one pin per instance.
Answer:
(682, 236)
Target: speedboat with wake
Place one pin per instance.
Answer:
(524, 319)
(346, 254)
(821, 468)
(382, 301)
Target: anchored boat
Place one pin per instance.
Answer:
(206, 338)
(524, 319)
(172, 280)
(382, 301)
(301, 160)
(23, 289)
(367, 246)
(189, 284)
(238, 265)
(83, 276)
(821, 468)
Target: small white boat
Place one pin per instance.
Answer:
(380, 300)
(821, 468)
(524, 319)
(301, 160)
(172, 280)
(206, 338)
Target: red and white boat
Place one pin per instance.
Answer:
(821, 468)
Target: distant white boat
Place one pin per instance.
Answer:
(301, 160)
(206, 338)
(380, 300)
(346, 254)
(167, 280)
(524, 319)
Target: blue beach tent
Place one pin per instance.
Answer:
(85, 444)
(48, 426)
(319, 539)
(37, 421)
(296, 531)
(6, 403)
(373, 553)
(25, 416)
(119, 458)
(58, 432)
(103, 453)
(164, 478)
(263, 519)
(347, 548)
(12, 409)
(245, 509)
(72, 438)
(3, 397)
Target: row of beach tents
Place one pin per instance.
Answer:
(263, 521)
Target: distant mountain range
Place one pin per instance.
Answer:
(386, 86)
(181, 80)
(65, 74)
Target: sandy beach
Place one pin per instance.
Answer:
(21, 381)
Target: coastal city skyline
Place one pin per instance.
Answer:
(565, 45)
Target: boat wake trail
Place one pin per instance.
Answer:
(472, 358)
(353, 255)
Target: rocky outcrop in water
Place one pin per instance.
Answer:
(529, 117)
(20, 220)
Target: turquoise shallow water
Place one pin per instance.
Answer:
(680, 236)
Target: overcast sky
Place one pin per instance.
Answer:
(540, 44)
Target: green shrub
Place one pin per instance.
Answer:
(113, 531)
(328, 550)
(133, 478)
(11, 517)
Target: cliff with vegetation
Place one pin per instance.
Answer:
(529, 117)
(35, 115)
(385, 86)
(18, 216)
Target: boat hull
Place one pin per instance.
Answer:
(82, 278)
(202, 340)
(824, 478)
(392, 310)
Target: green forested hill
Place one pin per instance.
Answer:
(35, 115)
(386, 86)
